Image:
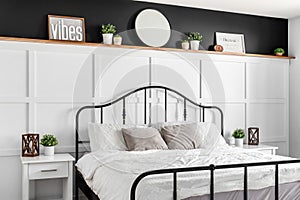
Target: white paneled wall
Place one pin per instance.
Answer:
(42, 85)
(294, 42)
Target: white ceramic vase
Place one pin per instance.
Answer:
(185, 45)
(49, 151)
(239, 142)
(107, 38)
(117, 40)
(195, 44)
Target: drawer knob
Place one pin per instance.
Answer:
(48, 170)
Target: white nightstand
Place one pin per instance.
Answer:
(48, 167)
(261, 147)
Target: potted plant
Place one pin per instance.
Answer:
(107, 32)
(195, 39)
(279, 51)
(49, 141)
(185, 44)
(117, 39)
(239, 135)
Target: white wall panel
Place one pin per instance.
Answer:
(60, 74)
(118, 74)
(13, 122)
(13, 73)
(177, 73)
(270, 118)
(223, 80)
(267, 80)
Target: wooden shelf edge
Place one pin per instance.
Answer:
(15, 39)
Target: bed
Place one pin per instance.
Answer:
(214, 171)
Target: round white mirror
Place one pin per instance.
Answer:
(152, 28)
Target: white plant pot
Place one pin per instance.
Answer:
(117, 40)
(185, 45)
(239, 142)
(195, 44)
(107, 38)
(49, 151)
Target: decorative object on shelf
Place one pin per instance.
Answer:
(185, 44)
(49, 141)
(30, 145)
(108, 30)
(195, 39)
(279, 51)
(153, 28)
(239, 135)
(231, 42)
(66, 28)
(253, 136)
(117, 39)
(218, 48)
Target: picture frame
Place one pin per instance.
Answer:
(66, 28)
(253, 136)
(231, 42)
(30, 145)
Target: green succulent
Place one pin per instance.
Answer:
(238, 133)
(49, 140)
(184, 41)
(195, 36)
(279, 50)
(117, 36)
(108, 28)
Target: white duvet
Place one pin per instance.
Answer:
(110, 174)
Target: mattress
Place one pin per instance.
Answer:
(110, 174)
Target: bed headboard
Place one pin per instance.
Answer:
(166, 90)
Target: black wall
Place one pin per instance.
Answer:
(29, 19)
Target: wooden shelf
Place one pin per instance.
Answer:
(138, 47)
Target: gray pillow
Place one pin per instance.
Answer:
(184, 136)
(140, 139)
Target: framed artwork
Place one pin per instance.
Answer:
(253, 136)
(30, 145)
(231, 42)
(66, 28)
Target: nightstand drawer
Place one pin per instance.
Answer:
(48, 170)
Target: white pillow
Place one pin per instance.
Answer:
(107, 136)
(211, 135)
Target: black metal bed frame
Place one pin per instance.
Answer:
(80, 182)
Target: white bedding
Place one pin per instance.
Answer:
(110, 174)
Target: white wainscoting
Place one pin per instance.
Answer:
(42, 86)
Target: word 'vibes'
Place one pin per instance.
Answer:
(60, 31)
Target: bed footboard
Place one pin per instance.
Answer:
(212, 168)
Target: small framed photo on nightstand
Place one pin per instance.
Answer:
(253, 136)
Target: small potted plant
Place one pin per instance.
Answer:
(195, 39)
(239, 135)
(49, 141)
(108, 30)
(117, 39)
(279, 51)
(185, 44)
